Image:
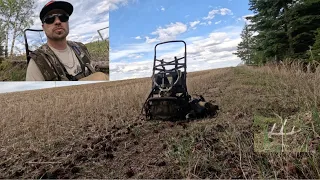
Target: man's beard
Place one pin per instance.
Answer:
(58, 36)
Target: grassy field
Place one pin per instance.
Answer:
(96, 131)
(16, 71)
(99, 50)
(12, 71)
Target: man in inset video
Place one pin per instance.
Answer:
(59, 59)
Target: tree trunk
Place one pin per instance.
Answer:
(286, 10)
(7, 42)
(15, 28)
(13, 39)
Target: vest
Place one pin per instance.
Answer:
(53, 70)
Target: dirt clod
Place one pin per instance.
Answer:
(238, 116)
(129, 173)
(156, 131)
(109, 156)
(161, 163)
(164, 146)
(220, 128)
(75, 170)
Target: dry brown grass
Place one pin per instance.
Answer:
(94, 131)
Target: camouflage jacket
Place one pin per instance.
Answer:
(53, 70)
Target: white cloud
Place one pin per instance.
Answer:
(213, 39)
(102, 7)
(245, 20)
(162, 8)
(135, 56)
(211, 14)
(137, 48)
(168, 33)
(218, 22)
(194, 23)
(89, 30)
(114, 4)
(225, 11)
(203, 52)
(222, 11)
(138, 37)
(196, 38)
(206, 23)
(130, 49)
(129, 70)
(150, 40)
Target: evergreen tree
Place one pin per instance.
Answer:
(286, 28)
(316, 47)
(305, 19)
(244, 49)
(270, 22)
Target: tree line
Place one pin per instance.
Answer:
(280, 30)
(15, 17)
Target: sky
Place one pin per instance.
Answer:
(211, 29)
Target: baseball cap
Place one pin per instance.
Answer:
(51, 5)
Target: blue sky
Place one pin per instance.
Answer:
(211, 29)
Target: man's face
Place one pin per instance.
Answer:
(57, 30)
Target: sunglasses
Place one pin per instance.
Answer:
(51, 18)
